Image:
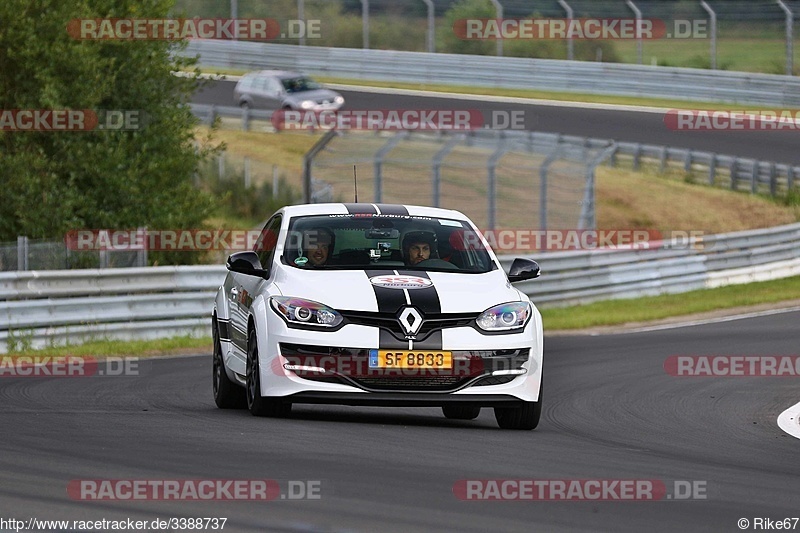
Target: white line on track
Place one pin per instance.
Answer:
(789, 421)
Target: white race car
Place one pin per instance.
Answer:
(376, 304)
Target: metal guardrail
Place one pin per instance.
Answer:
(505, 72)
(54, 307)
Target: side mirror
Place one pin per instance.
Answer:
(522, 269)
(246, 263)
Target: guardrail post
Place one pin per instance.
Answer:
(498, 9)
(612, 160)
(430, 36)
(734, 171)
(365, 23)
(212, 115)
(246, 118)
(301, 15)
(662, 160)
(570, 42)
(713, 16)
(637, 154)
(789, 177)
(773, 179)
(234, 16)
(638, 15)
(789, 38)
(141, 254)
(687, 162)
(754, 177)
(22, 253)
(712, 169)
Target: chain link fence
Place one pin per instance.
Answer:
(499, 179)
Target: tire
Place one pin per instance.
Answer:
(257, 404)
(526, 416)
(461, 412)
(227, 394)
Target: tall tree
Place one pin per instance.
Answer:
(52, 182)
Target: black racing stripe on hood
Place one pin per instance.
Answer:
(427, 299)
(391, 209)
(361, 209)
(389, 300)
(392, 300)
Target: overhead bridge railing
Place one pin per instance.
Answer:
(504, 72)
(40, 308)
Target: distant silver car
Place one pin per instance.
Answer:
(273, 89)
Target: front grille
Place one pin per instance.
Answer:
(430, 383)
(350, 366)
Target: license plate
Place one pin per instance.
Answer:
(410, 359)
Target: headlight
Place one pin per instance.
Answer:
(307, 104)
(339, 99)
(305, 312)
(504, 317)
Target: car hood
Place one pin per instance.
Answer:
(359, 290)
(316, 95)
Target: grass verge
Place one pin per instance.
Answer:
(150, 348)
(619, 312)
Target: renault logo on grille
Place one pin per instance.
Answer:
(410, 320)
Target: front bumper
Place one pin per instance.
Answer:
(496, 368)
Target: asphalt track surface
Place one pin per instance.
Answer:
(611, 411)
(629, 126)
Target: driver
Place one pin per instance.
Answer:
(419, 246)
(318, 245)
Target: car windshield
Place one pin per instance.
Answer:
(361, 242)
(298, 85)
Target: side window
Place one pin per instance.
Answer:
(267, 242)
(274, 86)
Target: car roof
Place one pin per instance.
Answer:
(344, 209)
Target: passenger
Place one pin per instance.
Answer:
(318, 246)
